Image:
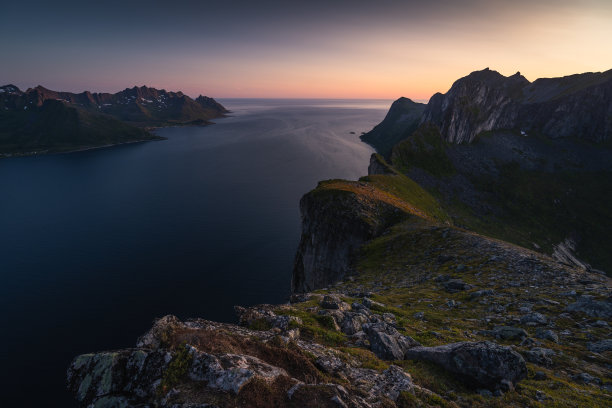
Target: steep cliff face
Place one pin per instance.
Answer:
(575, 106)
(335, 224)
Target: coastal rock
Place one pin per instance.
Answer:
(161, 331)
(230, 372)
(335, 224)
(482, 364)
(134, 371)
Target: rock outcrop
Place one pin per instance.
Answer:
(335, 224)
(483, 364)
(181, 365)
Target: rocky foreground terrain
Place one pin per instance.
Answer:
(396, 303)
(40, 120)
(427, 315)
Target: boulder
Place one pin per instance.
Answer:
(600, 346)
(353, 322)
(533, 319)
(481, 293)
(131, 371)
(594, 308)
(509, 333)
(334, 302)
(390, 383)
(230, 372)
(540, 356)
(481, 364)
(547, 335)
(456, 285)
(586, 378)
(386, 342)
(248, 316)
(371, 304)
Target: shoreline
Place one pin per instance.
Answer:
(76, 150)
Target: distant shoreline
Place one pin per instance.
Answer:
(76, 150)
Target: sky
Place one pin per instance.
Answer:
(297, 49)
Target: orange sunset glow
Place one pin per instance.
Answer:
(362, 51)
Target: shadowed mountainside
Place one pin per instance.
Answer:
(530, 163)
(40, 120)
(402, 119)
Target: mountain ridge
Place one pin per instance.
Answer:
(40, 120)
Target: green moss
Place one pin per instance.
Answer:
(260, 324)
(366, 358)
(326, 321)
(177, 369)
(410, 192)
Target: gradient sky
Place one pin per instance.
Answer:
(308, 49)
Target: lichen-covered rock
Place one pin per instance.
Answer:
(230, 372)
(386, 342)
(254, 315)
(353, 323)
(334, 302)
(136, 372)
(390, 383)
(482, 364)
(160, 332)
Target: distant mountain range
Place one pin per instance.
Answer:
(40, 120)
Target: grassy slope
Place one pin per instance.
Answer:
(397, 190)
(532, 206)
(399, 268)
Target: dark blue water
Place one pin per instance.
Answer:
(94, 245)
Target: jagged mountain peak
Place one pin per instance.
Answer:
(10, 88)
(571, 106)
